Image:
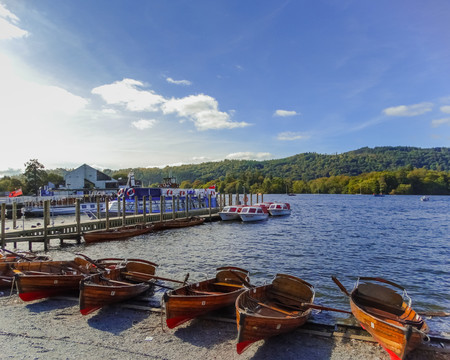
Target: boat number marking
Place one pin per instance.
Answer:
(203, 303)
(113, 293)
(278, 326)
(372, 324)
(55, 281)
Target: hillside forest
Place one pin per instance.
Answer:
(387, 170)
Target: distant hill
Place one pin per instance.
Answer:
(306, 166)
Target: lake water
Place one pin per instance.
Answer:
(399, 238)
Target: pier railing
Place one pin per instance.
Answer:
(75, 230)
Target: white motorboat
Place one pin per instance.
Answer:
(279, 209)
(231, 212)
(254, 213)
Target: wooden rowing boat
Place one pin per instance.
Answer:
(272, 309)
(121, 233)
(10, 256)
(178, 223)
(42, 279)
(132, 278)
(387, 315)
(6, 274)
(190, 301)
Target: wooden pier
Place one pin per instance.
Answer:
(75, 230)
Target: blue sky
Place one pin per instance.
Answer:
(118, 84)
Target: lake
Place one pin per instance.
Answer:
(399, 238)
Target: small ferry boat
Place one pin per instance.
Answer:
(254, 213)
(231, 212)
(279, 209)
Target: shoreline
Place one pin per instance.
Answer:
(54, 329)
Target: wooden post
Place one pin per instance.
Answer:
(124, 212)
(150, 205)
(262, 197)
(251, 199)
(118, 206)
(46, 218)
(98, 207)
(173, 208)
(162, 207)
(188, 202)
(107, 212)
(209, 205)
(144, 209)
(3, 224)
(136, 205)
(14, 214)
(257, 197)
(78, 219)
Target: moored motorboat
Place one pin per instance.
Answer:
(254, 213)
(190, 301)
(386, 314)
(272, 309)
(130, 279)
(121, 233)
(279, 209)
(231, 212)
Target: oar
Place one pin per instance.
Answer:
(244, 281)
(135, 273)
(100, 266)
(313, 306)
(342, 287)
(18, 255)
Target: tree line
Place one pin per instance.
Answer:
(388, 170)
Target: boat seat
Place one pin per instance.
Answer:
(379, 297)
(199, 292)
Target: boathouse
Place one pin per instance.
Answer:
(86, 177)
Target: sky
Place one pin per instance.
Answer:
(145, 83)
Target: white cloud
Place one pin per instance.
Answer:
(249, 156)
(109, 111)
(8, 25)
(128, 93)
(439, 122)
(285, 113)
(178, 82)
(445, 109)
(408, 110)
(203, 111)
(290, 135)
(143, 124)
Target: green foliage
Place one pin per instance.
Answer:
(35, 176)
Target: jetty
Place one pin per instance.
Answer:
(73, 231)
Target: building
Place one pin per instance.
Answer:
(86, 177)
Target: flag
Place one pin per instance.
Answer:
(15, 193)
(213, 187)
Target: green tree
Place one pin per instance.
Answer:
(34, 176)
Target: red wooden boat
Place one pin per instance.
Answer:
(42, 279)
(190, 301)
(121, 233)
(132, 278)
(386, 314)
(270, 310)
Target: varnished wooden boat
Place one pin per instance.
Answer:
(10, 256)
(6, 274)
(272, 309)
(178, 223)
(132, 278)
(121, 233)
(190, 301)
(387, 315)
(42, 279)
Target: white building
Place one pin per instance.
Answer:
(86, 177)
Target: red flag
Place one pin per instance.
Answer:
(212, 187)
(15, 193)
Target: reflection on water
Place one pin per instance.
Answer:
(396, 237)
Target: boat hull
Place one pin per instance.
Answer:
(116, 234)
(191, 301)
(398, 331)
(116, 285)
(272, 309)
(254, 217)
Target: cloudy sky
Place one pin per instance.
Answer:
(118, 84)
